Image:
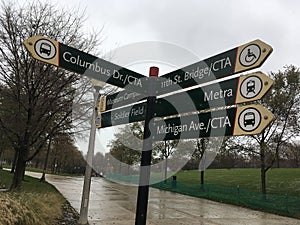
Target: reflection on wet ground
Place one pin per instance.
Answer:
(114, 204)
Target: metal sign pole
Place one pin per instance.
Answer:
(143, 191)
(83, 217)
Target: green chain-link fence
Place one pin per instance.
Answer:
(279, 204)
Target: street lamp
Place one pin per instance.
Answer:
(83, 217)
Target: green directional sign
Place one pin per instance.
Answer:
(123, 115)
(245, 88)
(66, 57)
(244, 120)
(236, 60)
(120, 99)
(241, 89)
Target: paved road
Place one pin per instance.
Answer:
(114, 204)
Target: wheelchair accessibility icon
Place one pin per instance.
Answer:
(249, 55)
(45, 49)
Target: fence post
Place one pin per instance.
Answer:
(208, 190)
(238, 193)
(287, 203)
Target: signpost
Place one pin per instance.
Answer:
(241, 89)
(244, 120)
(145, 168)
(242, 58)
(66, 57)
(114, 109)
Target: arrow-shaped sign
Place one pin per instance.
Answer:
(242, 58)
(244, 120)
(237, 90)
(66, 57)
(236, 60)
(241, 89)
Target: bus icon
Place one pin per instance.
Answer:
(249, 119)
(45, 48)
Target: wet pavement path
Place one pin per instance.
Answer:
(114, 204)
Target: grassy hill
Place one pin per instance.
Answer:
(279, 181)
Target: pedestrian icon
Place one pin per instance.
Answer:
(251, 87)
(249, 55)
(249, 119)
(45, 49)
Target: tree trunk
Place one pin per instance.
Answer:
(1, 154)
(202, 179)
(166, 169)
(277, 159)
(263, 168)
(37, 164)
(20, 169)
(14, 162)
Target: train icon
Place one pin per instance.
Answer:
(250, 86)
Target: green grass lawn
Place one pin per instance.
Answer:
(279, 181)
(35, 204)
(29, 184)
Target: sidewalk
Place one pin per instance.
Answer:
(114, 204)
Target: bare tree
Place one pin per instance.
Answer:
(284, 101)
(164, 150)
(200, 151)
(38, 98)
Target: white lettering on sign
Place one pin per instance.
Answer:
(198, 73)
(169, 81)
(212, 123)
(94, 66)
(218, 122)
(137, 112)
(126, 114)
(68, 57)
(126, 96)
(197, 126)
(127, 78)
(221, 64)
(215, 95)
(121, 115)
(175, 129)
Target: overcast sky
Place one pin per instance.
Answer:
(204, 28)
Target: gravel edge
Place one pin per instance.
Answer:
(70, 215)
